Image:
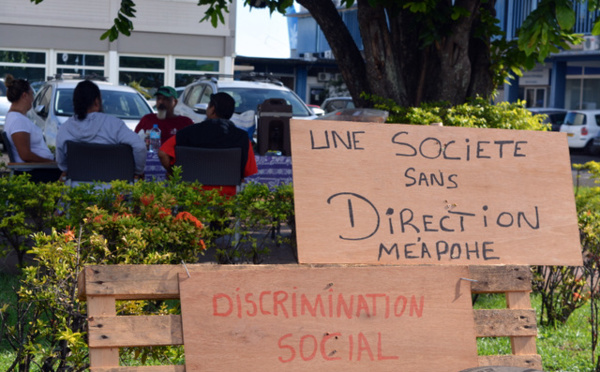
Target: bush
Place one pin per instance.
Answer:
(479, 113)
(143, 223)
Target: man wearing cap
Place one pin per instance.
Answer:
(217, 131)
(168, 122)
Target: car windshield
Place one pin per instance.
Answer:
(124, 105)
(574, 118)
(2, 89)
(249, 99)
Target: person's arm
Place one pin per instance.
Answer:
(128, 137)
(166, 154)
(22, 142)
(165, 160)
(250, 167)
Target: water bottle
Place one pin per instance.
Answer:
(154, 139)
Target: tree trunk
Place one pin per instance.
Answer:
(410, 57)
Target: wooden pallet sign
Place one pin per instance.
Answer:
(103, 286)
(414, 194)
(297, 318)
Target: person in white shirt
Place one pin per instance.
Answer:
(90, 124)
(26, 138)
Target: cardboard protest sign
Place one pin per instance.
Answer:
(299, 318)
(414, 194)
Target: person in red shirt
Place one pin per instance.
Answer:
(217, 131)
(168, 122)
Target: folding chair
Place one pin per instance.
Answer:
(210, 167)
(89, 162)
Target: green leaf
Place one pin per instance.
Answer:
(565, 17)
(596, 29)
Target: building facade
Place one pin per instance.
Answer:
(167, 47)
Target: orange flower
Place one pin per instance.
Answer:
(187, 216)
(163, 212)
(201, 244)
(69, 234)
(118, 200)
(98, 218)
(146, 199)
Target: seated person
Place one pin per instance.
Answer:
(168, 122)
(217, 131)
(26, 138)
(90, 125)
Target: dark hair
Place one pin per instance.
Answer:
(223, 103)
(84, 95)
(15, 88)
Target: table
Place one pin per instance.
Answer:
(273, 170)
(154, 171)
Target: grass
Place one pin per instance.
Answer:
(566, 348)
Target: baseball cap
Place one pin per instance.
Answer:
(224, 104)
(166, 91)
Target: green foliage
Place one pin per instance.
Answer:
(26, 207)
(478, 113)
(143, 223)
(122, 23)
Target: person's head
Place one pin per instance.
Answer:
(221, 105)
(86, 99)
(166, 99)
(17, 89)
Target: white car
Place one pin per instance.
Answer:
(53, 105)
(247, 95)
(581, 127)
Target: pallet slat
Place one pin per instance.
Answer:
(121, 331)
(141, 369)
(505, 323)
(522, 361)
(502, 278)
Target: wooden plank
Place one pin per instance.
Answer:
(505, 323)
(132, 282)
(521, 345)
(335, 318)
(523, 361)
(100, 306)
(500, 278)
(123, 331)
(140, 369)
(417, 194)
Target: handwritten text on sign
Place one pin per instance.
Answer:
(373, 193)
(342, 319)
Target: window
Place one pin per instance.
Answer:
(82, 64)
(143, 73)
(186, 70)
(23, 64)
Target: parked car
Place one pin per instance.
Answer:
(317, 110)
(554, 116)
(4, 104)
(247, 95)
(581, 126)
(337, 103)
(53, 104)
